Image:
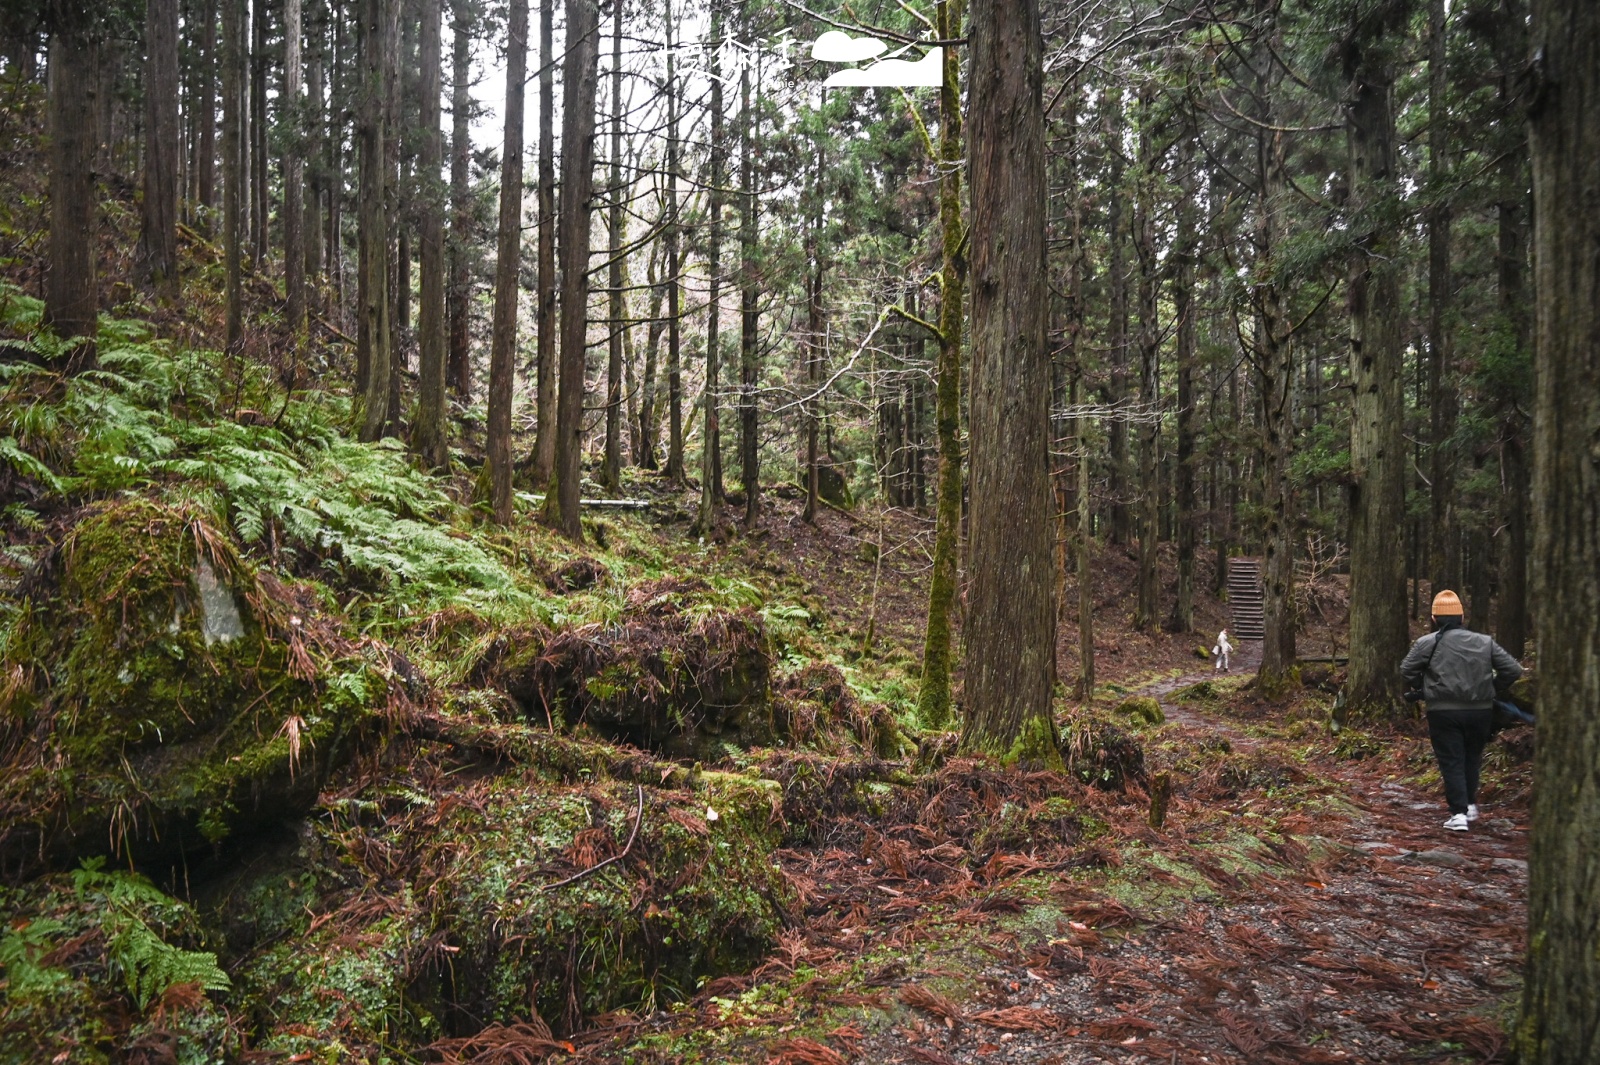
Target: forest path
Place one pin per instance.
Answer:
(1295, 907)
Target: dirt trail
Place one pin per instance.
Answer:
(1317, 913)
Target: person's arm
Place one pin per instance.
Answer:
(1506, 668)
(1416, 662)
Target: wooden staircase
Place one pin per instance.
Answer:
(1244, 599)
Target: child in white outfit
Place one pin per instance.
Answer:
(1221, 651)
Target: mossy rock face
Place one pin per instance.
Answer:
(165, 695)
(1142, 709)
(480, 925)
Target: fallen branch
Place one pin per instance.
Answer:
(638, 819)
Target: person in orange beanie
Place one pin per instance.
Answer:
(1457, 673)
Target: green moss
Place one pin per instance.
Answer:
(165, 707)
(1142, 709)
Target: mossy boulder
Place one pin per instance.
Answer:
(494, 916)
(1142, 709)
(682, 681)
(163, 694)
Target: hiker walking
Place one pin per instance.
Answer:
(1221, 652)
(1457, 672)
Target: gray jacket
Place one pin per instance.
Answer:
(1459, 669)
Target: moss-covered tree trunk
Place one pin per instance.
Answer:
(710, 422)
(1560, 1025)
(933, 697)
(1010, 630)
(1378, 460)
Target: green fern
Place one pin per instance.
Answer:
(148, 963)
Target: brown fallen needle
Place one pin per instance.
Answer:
(638, 818)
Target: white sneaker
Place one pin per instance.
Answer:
(1457, 823)
(1472, 812)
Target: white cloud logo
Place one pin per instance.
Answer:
(836, 47)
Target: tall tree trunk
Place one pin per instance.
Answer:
(397, 150)
(233, 101)
(461, 230)
(1559, 1024)
(508, 261)
(934, 695)
(428, 437)
(72, 302)
(544, 441)
(611, 469)
(1378, 635)
(315, 151)
(1183, 306)
(711, 434)
(749, 305)
(1010, 635)
(205, 107)
(816, 342)
(259, 208)
(375, 335)
(158, 231)
(1511, 622)
(1146, 612)
(1443, 549)
(1275, 372)
(579, 73)
(675, 468)
(1117, 389)
(645, 434)
(291, 105)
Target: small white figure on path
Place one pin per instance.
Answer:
(1221, 651)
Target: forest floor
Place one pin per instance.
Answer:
(1304, 906)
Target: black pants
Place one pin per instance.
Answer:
(1458, 739)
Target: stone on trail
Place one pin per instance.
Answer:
(1445, 859)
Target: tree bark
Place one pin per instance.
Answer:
(1275, 374)
(375, 335)
(1146, 612)
(205, 108)
(934, 695)
(1443, 549)
(233, 101)
(749, 306)
(674, 282)
(1117, 387)
(1010, 653)
(259, 208)
(611, 469)
(72, 302)
(428, 436)
(291, 105)
(1378, 634)
(645, 433)
(1559, 1024)
(461, 228)
(544, 441)
(508, 261)
(579, 74)
(1184, 309)
(711, 430)
(158, 231)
